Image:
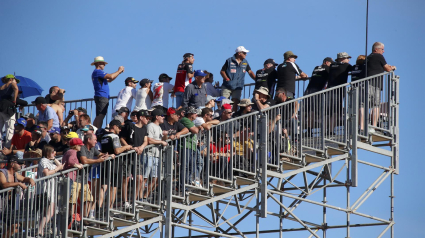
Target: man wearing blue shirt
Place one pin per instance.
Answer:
(100, 81)
(47, 114)
(233, 73)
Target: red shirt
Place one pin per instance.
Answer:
(20, 141)
(182, 80)
(225, 149)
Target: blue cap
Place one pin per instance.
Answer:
(200, 73)
(21, 121)
(54, 130)
(219, 99)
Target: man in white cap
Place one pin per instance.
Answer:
(233, 73)
(100, 81)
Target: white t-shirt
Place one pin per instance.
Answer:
(125, 98)
(154, 132)
(143, 101)
(161, 94)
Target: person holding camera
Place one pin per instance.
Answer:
(55, 93)
(76, 113)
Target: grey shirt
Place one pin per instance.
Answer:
(154, 132)
(194, 96)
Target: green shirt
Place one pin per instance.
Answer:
(191, 141)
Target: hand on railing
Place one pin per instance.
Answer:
(23, 186)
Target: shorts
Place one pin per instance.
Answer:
(117, 172)
(101, 172)
(128, 166)
(150, 166)
(373, 94)
(101, 105)
(236, 94)
(75, 193)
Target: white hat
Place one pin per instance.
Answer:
(241, 49)
(99, 59)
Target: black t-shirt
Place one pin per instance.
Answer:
(265, 78)
(139, 135)
(338, 74)
(127, 132)
(109, 142)
(269, 102)
(357, 72)
(58, 146)
(318, 79)
(286, 73)
(31, 129)
(375, 64)
(35, 147)
(172, 129)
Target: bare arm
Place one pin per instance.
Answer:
(23, 179)
(223, 74)
(389, 68)
(260, 105)
(152, 141)
(113, 76)
(5, 184)
(49, 124)
(85, 160)
(122, 149)
(194, 130)
(182, 132)
(251, 74)
(16, 90)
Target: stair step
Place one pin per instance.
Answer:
(376, 137)
(244, 181)
(290, 166)
(312, 158)
(197, 197)
(118, 222)
(218, 189)
(147, 214)
(335, 151)
(94, 231)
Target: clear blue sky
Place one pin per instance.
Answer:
(54, 42)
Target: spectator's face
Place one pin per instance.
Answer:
(134, 118)
(292, 59)
(19, 128)
(242, 55)
(192, 116)
(248, 108)
(83, 122)
(100, 65)
(160, 119)
(200, 79)
(263, 98)
(268, 66)
(281, 97)
(174, 117)
(328, 63)
(30, 122)
(117, 129)
(35, 136)
(191, 59)
(16, 166)
(227, 113)
(80, 113)
(208, 117)
(380, 50)
(38, 106)
(124, 115)
(42, 127)
(131, 84)
(92, 142)
(211, 103)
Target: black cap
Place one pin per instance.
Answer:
(14, 158)
(143, 113)
(145, 81)
(39, 100)
(81, 109)
(179, 111)
(123, 109)
(37, 131)
(270, 61)
(133, 113)
(328, 59)
(115, 123)
(65, 128)
(164, 76)
(28, 115)
(187, 55)
(157, 112)
(130, 79)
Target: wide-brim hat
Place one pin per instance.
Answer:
(99, 59)
(263, 90)
(245, 102)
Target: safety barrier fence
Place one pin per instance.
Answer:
(236, 147)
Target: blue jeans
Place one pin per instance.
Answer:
(191, 165)
(179, 99)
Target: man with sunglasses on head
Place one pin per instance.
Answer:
(233, 73)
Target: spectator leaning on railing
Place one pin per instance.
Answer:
(101, 82)
(288, 72)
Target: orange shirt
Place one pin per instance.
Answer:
(20, 141)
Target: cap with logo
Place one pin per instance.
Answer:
(133, 113)
(270, 61)
(99, 59)
(130, 79)
(39, 100)
(187, 55)
(143, 113)
(145, 81)
(289, 54)
(21, 121)
(199, 110)
(200, 73)
(115, 123)
(241, 49)
(65, 128)
(343, 55)
(209, 98)
(157, 112)
(71, 135)
(37, 131)
(123, 109)
(219, 99)
(75, 141)
(245, 102)
(88, 128)
(164, 76)
(54, 130)
(263, 90)
(328, 59)
(82, 109)
(191, 110)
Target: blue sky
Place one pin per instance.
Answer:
(54, 42)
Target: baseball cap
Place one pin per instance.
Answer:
(219, 99)
(179, 111)
(143, 113)
(157, 112)
(130, 79)
(145, 81)
(191, 110)
(28, 115)
(270, 61)
(226, 101)
(289, 54)
(241, 49)
(21, 121)
(65, 128)
(171, 111)
(263, 90)
(88, 128)
(115, 123)
(209, 98)
(343, 55)
(133, 113)
(75, 141)
(199, 110)
(119, 118)
(328, 59)
(227, 106)
(200, 73)
(54, 130)
(37, 131)
(81, 109)
(164, 76)
(11, 76)
(123, 109)
(14, 158)
(39, 100)
(187, 55)
(71, 135)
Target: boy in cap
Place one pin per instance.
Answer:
(183, 77)
(19, 139)
(127, 94)
(162, 90)
(288, 72)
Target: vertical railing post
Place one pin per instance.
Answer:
(63, 196)
(263, 159)
(395, 146)
(168, 191)
(353, 99)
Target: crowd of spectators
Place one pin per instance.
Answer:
(200, 104)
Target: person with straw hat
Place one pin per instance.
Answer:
(100, 81)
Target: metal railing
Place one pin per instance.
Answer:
(237, 147)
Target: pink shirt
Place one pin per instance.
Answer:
(69, 159)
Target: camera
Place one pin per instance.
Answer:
(71, 112)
